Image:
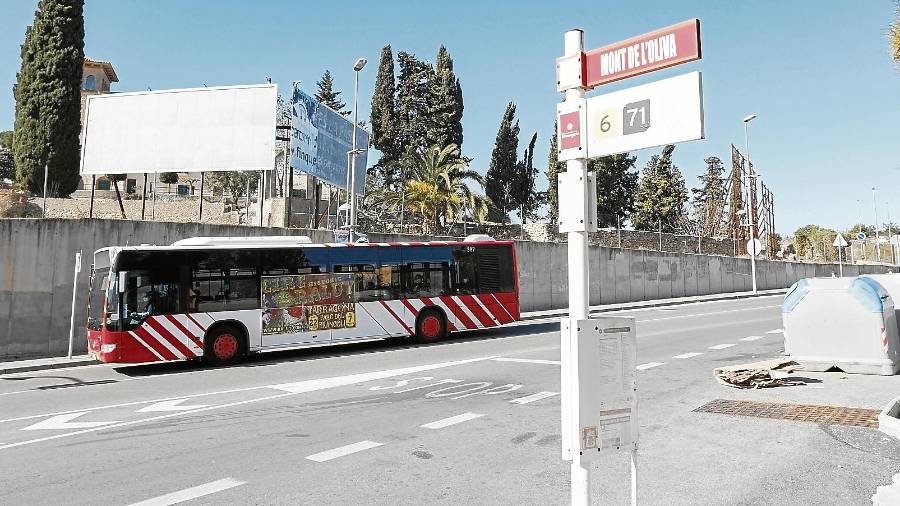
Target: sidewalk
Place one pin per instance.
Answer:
(81, 360)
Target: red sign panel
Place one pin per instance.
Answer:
(657, 50)
(569, 130)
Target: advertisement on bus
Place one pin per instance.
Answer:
(307, 303)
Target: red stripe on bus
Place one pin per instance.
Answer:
(156, 345)
(460, 314)
(495, 307)
(428, 302)
(476, 310)
(173, 340)
(198, 340)
(391, 311)
(409, 306)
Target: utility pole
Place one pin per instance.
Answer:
(351, 187)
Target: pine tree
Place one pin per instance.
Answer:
(445, 103)
(523, 195)
(328, 96)
(661, 194)
(710, 196)
(7, 164)
(554, 167)
(617, 184)
(384, 120)
(48, 97)
(502, 171)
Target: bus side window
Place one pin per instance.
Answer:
(464, 279)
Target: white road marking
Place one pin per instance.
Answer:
(63, 422)
(705, 314)
(191, 493)
(722, 346)
(292, 389)
(751, 338)
(649, 365)
(533, 397)
(691, 354)
(776, 331)
(527, 360)
(453, 420)
(343, 451)
(173, 405)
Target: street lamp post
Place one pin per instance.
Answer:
(750, 180)
(351, 190)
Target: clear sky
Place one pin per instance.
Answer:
(817, 73)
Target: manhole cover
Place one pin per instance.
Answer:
(827, 415)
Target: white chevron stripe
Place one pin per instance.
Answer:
(384, 318)
(203, 319)
(178, 334)
(189, 325)
(163, 341)
(502, 307)
(486, 310)
(138, 339)
(404, 314)
(468, 312)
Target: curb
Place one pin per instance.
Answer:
(12, 368)
(661, 303)
(889, 419)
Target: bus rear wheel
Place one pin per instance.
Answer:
(431, 326)
(224, 345)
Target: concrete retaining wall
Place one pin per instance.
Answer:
(37, 262)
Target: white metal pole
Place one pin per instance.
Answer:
(74, 295)
(750, 180)
(840, 261)
(353, 160)
(259, 193)
(578, 307)
(877, 239)
(44, 203)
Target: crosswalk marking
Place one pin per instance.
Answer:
(533, 397)
(342, 451)
(453, 420)
(688, 355)
(722, 346)
(648, 365)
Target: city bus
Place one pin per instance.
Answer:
(221, 299)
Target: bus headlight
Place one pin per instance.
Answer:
(107, 348)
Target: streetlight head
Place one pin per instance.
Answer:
(360, 63)
(749, 118)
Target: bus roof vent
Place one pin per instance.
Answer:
(271, 240)
(479, 238)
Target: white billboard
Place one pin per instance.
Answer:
(662, 112)
(185, 130)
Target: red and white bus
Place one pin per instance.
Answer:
(222, 298)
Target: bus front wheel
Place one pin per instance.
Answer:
(224, 345)
(431, 326)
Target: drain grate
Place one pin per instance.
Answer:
(827, 415)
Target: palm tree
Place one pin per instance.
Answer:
(438, 188)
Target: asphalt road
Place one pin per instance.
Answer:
(474, 420)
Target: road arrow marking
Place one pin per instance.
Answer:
(173, 405)
(63, 422)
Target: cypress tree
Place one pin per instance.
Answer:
(384, 118)
(7, 164)
(524, 197)
(661, 194)
(48, 98)
(617, 184)
(446, 106)
(502, 171)
(413, 97)
(710, 197)
(554, 167)
(328, 96)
